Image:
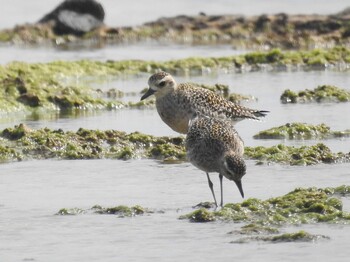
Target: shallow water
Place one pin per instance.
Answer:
(143, 51)
(33, 191)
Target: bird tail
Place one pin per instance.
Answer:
(260, 113)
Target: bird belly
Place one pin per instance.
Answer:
(174, 117)
(204, 159)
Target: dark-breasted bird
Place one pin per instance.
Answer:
(213, 145)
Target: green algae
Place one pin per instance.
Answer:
(21, 143)
(301, 131)
(255, 229)
(70, 211)
(25, 87)
(9, 154)
(119, 211)
(201, 215)
(304, 155)
(324, 93)
(301, 206)
(300, 236)
(60, 85)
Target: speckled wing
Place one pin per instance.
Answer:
(208, 103)
(216, 132)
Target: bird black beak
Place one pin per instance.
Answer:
(239, 185)
(148, 93)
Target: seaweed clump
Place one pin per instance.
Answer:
(324, 93)
(301, 131)
(301, 206)
(300, 236)
(119, 211)
(304, 155)
(20, 143)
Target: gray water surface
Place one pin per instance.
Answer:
(32, 192)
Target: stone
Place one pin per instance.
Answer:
(75, 17)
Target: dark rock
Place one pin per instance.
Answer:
(200, 26)
(75, 17)
(282, 19)
(322, 27)
(215, 18)
(29, 99)
(20, 85)
(280, 24)
(346, 33)
(261, 23)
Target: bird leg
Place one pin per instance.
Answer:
(221, 190)
(211, 188)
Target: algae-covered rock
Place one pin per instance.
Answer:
(300, 236)
(280, 30)
(200, 215)
(304, 155)
(70, 211)
(60, 85)
(9, 154)
(324, 93)
(255, 229)
(20, 143)
(301, 131)
(119, 211)
(301, 206)
(28, 87)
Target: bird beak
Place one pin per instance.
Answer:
(149, 92)
(239, 185)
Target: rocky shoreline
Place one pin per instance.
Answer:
(255, 32)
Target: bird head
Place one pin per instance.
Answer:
(159, 84)
(234, 168)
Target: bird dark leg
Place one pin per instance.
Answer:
(221, 191)
(211, 188)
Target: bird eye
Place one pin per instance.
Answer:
(162, 84)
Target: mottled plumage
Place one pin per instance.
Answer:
(213, 145)
(178, 103)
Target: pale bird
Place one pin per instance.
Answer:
(177, 103)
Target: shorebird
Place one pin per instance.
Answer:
(177, 103)
(213, 145)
